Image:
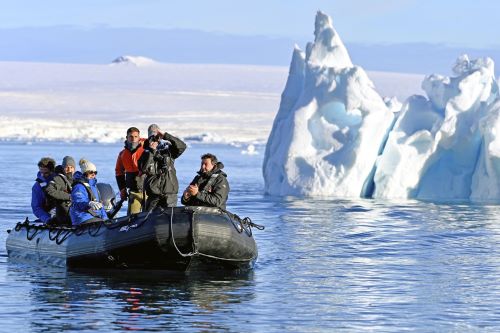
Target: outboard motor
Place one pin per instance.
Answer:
(107, 196)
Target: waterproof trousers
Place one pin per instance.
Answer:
(135, 202)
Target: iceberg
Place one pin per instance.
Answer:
(330, 126)
(435, 145)
(334, 135)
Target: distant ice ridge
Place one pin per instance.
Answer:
(333, 134)
(330, 126)
(39, 130)
(137, 61)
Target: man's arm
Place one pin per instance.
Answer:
(53, 191)
(37, 203)
(217, 197)
(187, 199)
(120, 174)
(178, 146)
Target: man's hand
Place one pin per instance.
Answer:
(192, 190)
(153, 145)
(123, 194)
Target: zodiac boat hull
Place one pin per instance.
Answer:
(178, 239)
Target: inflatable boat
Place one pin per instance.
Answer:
(174, 239)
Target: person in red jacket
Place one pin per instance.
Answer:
(129, 180)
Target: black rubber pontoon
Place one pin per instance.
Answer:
(178, 239)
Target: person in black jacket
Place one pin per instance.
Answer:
(210, 187)
(157, 163)
(59, 190)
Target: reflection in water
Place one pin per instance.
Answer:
(123, 300)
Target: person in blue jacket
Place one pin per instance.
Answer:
(40, 204)
(86, 204)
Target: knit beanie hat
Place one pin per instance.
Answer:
(68, 161)
(153, 129)
(86, 165)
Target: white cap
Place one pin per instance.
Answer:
(86, 165)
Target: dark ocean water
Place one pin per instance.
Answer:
(324, 265)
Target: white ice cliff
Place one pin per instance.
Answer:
(334, 136)
(330, 126)
(434, 147)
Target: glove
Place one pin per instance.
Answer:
(123, 194)
(95, 205)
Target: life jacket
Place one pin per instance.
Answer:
(208, 185)
(90, 194)
(127, 170)
(128, 159)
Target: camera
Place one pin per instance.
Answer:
(155, 138)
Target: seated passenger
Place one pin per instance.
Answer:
(210, 187)
(40, 204)
(59, 190)
(86, 205)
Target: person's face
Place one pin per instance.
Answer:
(45, 172)
(90, 174)
(133, 137)
(69, 169)
(206, 165)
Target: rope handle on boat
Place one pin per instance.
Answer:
(243, 223)
(190, 254)
(60, 234)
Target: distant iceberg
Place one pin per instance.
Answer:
(134, 61)
(335, 135)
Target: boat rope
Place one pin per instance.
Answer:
(243, 224)
(36, 231)
(190, 254)
(59, 241)
(220, 258)
(60, 233)
(196, 251)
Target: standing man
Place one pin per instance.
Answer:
(40, 204)
(59, 190)
(157, 163)
(127, 171)
(210, 187)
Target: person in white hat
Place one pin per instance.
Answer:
(86, 204)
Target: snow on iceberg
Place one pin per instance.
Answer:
(330, 126)
(433, 151)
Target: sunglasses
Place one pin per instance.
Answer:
(91, 172)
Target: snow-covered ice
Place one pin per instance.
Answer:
(330, 126)
(205, 103)
(334, 134)
(434, 147)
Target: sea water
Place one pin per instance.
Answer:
(324, 265)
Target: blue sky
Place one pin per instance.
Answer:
(459, 22)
